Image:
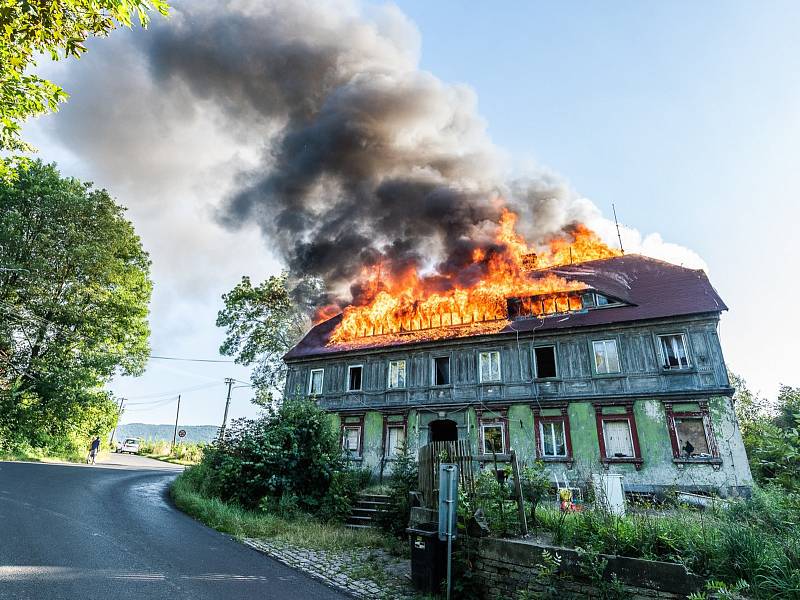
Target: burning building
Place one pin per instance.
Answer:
(575, 355)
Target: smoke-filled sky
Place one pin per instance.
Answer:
(244, 136)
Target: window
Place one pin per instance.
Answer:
(691, 433)
(617, 435)
(606, 358)
(441, 370)
(673, 351)
(588, 299)
(692, 439)
(395, 440)
(489, 366)
(602, 300)
(315, 382)
(494, 438)
(397, 374)
(351, 440)
(354, 378)
(545, 361)
(553, 439)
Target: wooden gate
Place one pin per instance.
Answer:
(435, 453)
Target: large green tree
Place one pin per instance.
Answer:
(263, 323)
(74, 295)
(54, 28)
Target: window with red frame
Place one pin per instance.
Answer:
(553, 441)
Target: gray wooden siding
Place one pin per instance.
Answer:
(637, 346)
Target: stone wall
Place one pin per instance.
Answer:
(503, 567)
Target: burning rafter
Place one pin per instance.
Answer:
(412, 305)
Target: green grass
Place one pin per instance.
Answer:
(37, 455)
(305, 532)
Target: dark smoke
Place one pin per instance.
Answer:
(366, 158)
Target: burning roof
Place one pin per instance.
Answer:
(640, 288)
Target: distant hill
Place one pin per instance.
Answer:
(147, 431)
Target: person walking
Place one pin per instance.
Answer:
(93, 450)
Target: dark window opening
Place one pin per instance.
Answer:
(545, 362)
(354, 379)
(441, 370)
(443, 430)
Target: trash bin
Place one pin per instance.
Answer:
(428, 560)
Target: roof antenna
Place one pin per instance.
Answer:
(619, 237)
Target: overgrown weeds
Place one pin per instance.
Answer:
(304, 531)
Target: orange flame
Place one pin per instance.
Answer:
(410, 304)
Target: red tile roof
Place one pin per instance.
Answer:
(650, 289)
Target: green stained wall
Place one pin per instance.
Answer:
(658, 471)
(521, 433)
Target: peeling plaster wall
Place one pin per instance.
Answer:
(658, 471)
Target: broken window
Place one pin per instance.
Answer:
(494, 438)
(606, 357)
(395, 440)
(351, 440)
(489, 366)
(441, 370)
(545, 361)
(553, 438)
(673, 351)
(354, 378)
(397, 374)
(315, 382)
(618, 439)
(692, 439)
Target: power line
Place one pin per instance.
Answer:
(203, 360)
(173, 393)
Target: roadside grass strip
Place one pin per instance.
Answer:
(362, 562)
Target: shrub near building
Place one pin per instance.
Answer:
(288, 461)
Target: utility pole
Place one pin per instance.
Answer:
(229, 381)
(119, 414)
(175, 432)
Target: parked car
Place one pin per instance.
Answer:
(130, 445)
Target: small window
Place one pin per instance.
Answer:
(619, 443)
(692, 439)
(351, 440)
(354, 378)
(545, 361)
(588, 299)
(489, 366)
(602, 300)
(606, 357)
(441, 370)
(395, 440)
(397, 374)
(315, 382)
(494, 438)
(673, 351)
(554, 443)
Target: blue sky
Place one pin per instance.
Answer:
(685, 115)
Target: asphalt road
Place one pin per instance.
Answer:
(109, 532)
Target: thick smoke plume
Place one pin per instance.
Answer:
(366, 158)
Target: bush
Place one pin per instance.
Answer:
(290, 451)
(403, 480)
(345, 486)
(755, 540)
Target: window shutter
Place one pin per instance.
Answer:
(618, 439)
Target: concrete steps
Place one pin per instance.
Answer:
(365, 510)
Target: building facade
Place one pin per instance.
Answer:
(629, 378)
